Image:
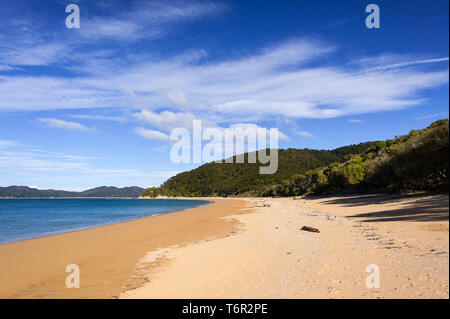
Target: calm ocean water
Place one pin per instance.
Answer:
(29, 218)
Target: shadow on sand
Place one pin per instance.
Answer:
(420, 208)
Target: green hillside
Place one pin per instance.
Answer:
(223, 179)
(416, 162)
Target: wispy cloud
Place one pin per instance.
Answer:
(40, 54)
(276, 81)
(406, 64)
(65, 125)
(390, 61)
(151, 134)
(175, 97)
(28, 41)
(433, 115)
(354, 121)
(42, 166)
(306, 134)
(293, 79)
(4, 67)
(7, 143)
(253, 128)
(146, 19)
(165, 120)
(33, 93)
(100, 118)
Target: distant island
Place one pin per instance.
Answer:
(102, 191)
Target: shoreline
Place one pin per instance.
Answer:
(69, 198)
(208, 202)
(106, 255)
(247, 248)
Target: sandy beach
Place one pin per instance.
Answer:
(247, 248)
(105, 255)
(407, 238)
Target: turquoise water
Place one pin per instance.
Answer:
(29, 218)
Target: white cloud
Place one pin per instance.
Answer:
(166, 120)
(255, 128)
(26, 160)
(7, 143)
(228, 146)
(33, 93)
(162, 149)
(36, 165)
(151, 134)
(65, 125)
(408, 63)
(354, 121)
(175, 97)
(428, 116)
(277, 81)
(100, 28)
(6, 68)
(29, 42)
(306, 134)
(101, 118)
(393, 61)
(145, 19)
(42, 54)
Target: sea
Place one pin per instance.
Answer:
(22, 219)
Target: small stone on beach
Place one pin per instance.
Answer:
(310, 229)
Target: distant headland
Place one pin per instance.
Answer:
(102, 191)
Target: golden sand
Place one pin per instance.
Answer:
(106, 255)
(405, 238)
(217, 251)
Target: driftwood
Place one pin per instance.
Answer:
(311, 229)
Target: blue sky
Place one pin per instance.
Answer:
(94, 106)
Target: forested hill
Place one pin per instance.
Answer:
(223, 179)
(103, 191)
(111, 191)
(418, 161)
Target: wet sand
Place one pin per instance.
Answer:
(106, 255)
